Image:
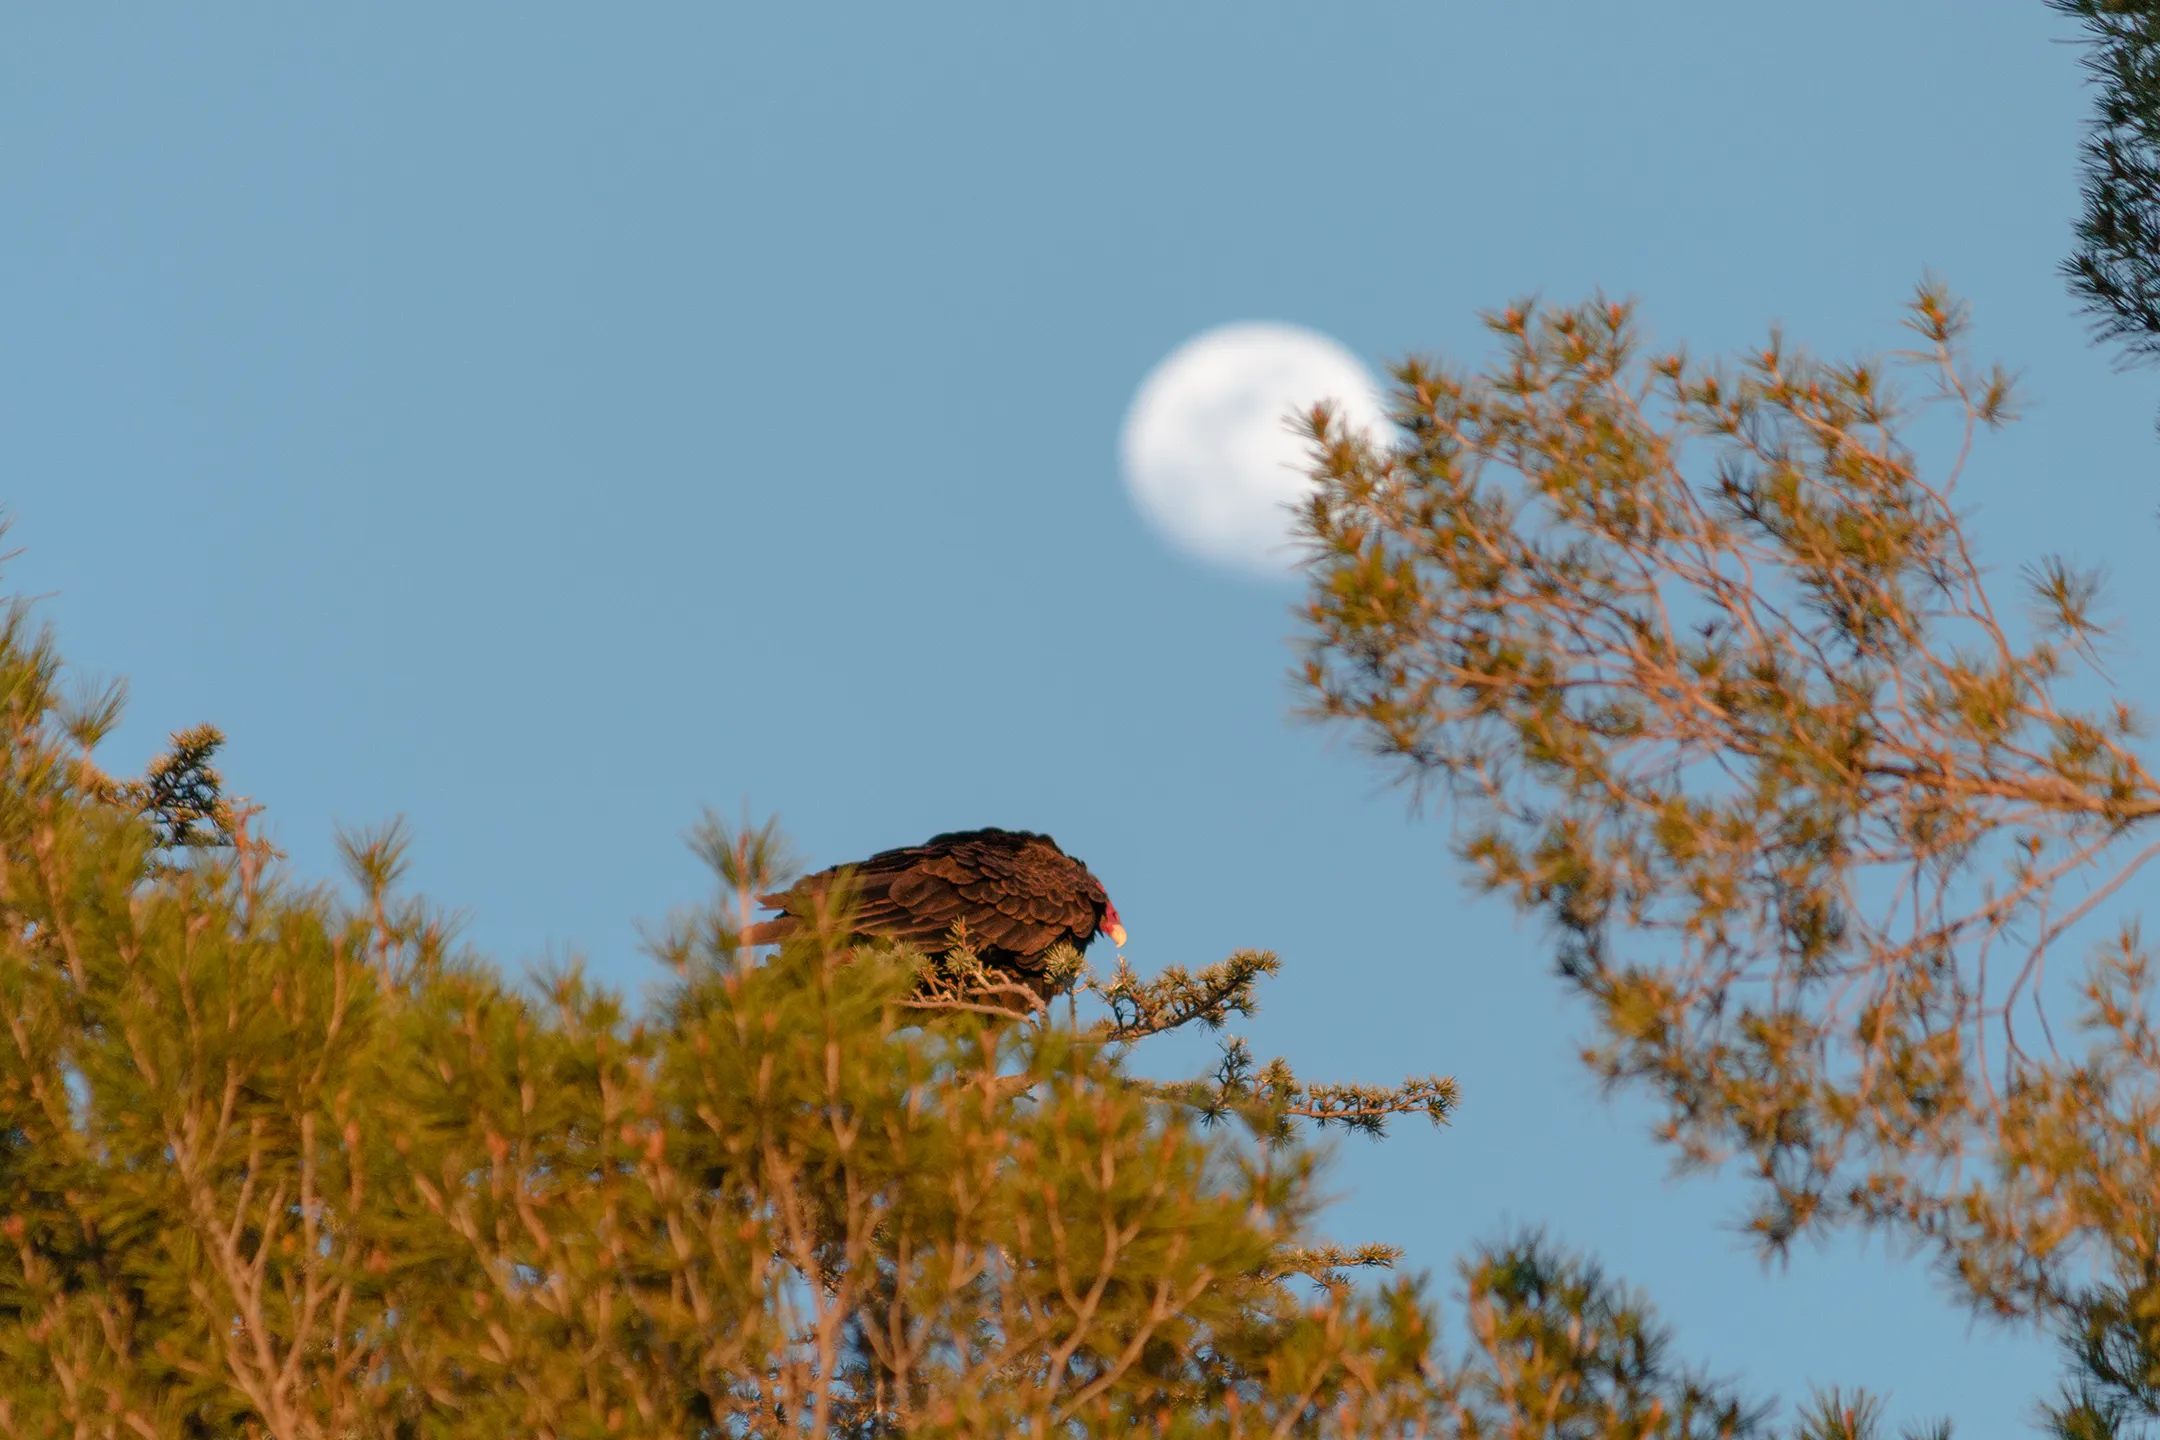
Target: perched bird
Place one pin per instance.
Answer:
(1017, 895)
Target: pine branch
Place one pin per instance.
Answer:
(1325, 1263)
(1271, 1098)
(1178, 997)
(182, 794)
(2115, 271)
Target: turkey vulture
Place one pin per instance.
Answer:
(1017, 894)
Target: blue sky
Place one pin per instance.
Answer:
(542, 422)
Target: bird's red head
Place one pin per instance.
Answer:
(1111, 926)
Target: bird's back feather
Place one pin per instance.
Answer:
(1016, 893)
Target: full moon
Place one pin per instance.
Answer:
(1210, 451)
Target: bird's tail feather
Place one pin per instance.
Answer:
(770, 932)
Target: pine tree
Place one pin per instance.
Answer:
(2115, 270)
(274, 1164)
(1709, 672)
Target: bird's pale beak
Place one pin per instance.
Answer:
(1117, 934)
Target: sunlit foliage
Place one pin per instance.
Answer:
(279, 1164)
(1706, 668)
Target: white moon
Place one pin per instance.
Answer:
(1209, 449)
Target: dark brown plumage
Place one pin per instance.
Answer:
(1018, 895)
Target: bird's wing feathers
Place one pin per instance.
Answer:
(1019, 894)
